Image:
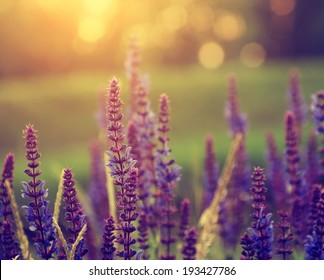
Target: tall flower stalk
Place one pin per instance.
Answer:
(295, 179)
(37, 211)
(108, 248)
(276, 172)
(73, 213)
(167, 175)
(211, 173)
(260, 235)
(284, 237)
(98, 191)
(123, 171)
(296, 101)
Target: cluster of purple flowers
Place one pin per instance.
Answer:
(147, 220)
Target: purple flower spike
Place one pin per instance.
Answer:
(284, 237)
(318, 111)
(248, 251)
(108, 249)
(143, 237)
(296, 100)
(275, 170)
(189, 248)
(123, 171)
(312, 160)
(210, 176)
(295, 179)
(260, 235)
(258, 191)
(73, 213)
(167, 176)
(9, 247)
(98, 191)
(37, 212)
(184, 218)
(7, 174)
(132, 66)
(236, 120)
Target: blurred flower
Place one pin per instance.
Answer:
(189, 248)
(211, 173)
(235, 119)
(284, 237)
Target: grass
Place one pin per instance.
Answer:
(63, 108)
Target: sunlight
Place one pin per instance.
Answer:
(98, 7)
(229, 26)
(91, 29)
(253, 55)
(174, 17)
(211, 55)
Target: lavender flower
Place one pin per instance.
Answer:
(132, 66)
(37, 212)
(189, 248)
(98, 190)
(313, 246)
(143, 237)
(248, 251)
(261, 231)
(318, 111)
(318, 116)
(313, 213)
(285, 236)
(262, 236)
(210, 176)
(236, 120)
(184, 218)
(122, 170)
(10, 248)
(73, 213)
(312, 160)
(145, 123)
(276, 171)
(296, 101)
(167, 176)
(7, 174)
(108, 249)
(299, 211)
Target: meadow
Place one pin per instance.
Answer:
(63, 109)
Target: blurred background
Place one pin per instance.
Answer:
(55, 57)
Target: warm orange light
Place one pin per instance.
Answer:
(201, 18)
(253, 55)
(5, 6)
(98, 7)
(282, 7)
(229, 26)
(211, 55)
(91, 29)
(174, 17)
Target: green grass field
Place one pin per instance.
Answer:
(63, 109)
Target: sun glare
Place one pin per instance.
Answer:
(91, 29)
(97, 7)
(211, 55)
(174, 17)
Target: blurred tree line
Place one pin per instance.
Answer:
(40, 36)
